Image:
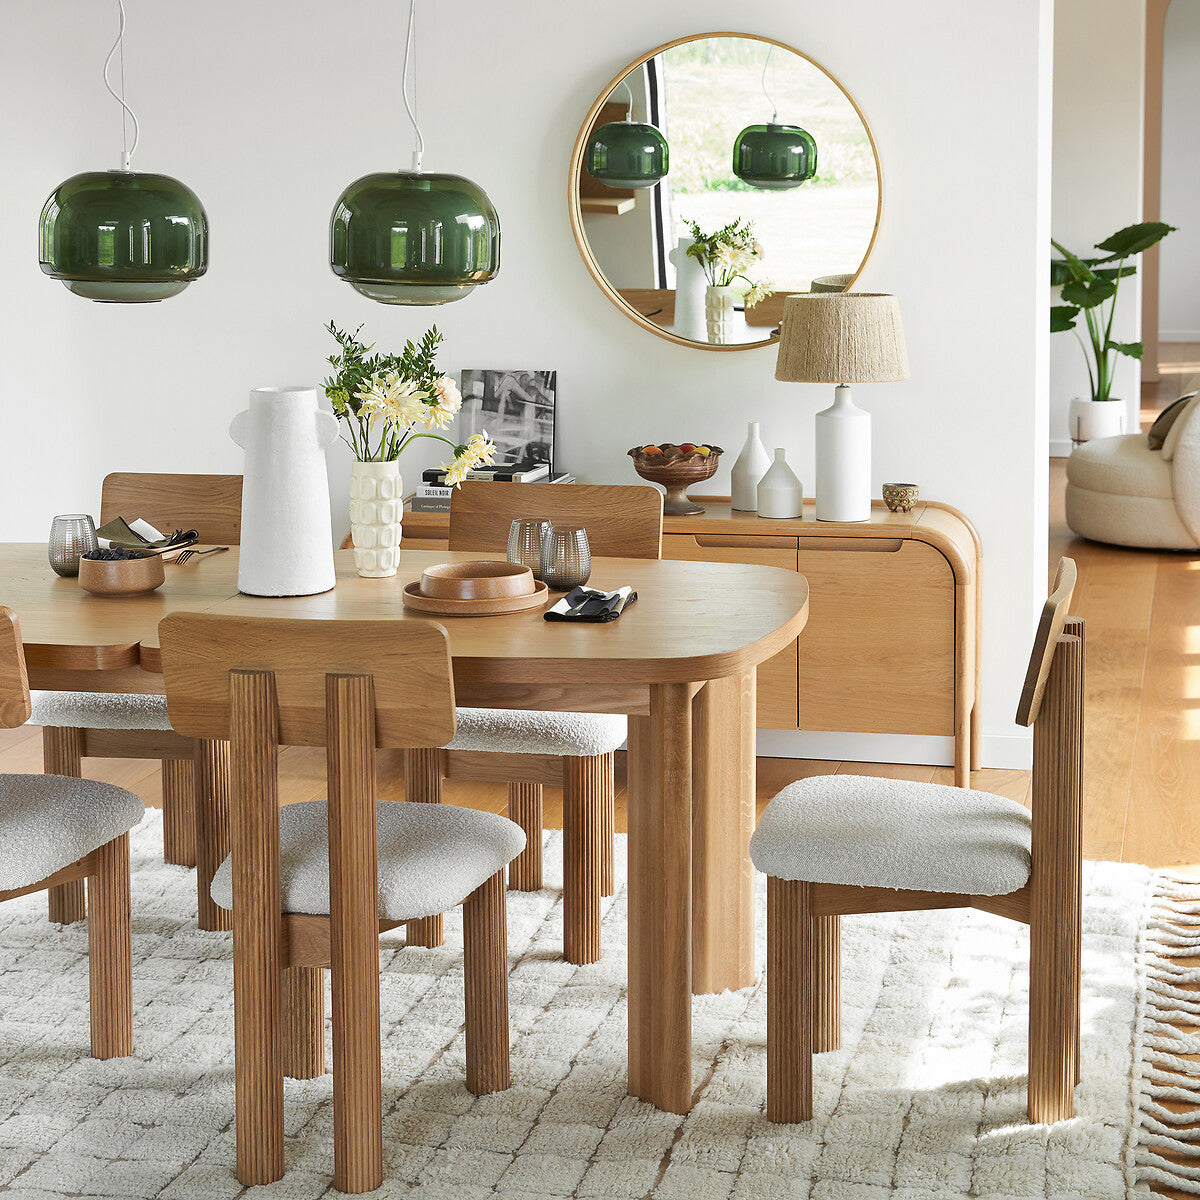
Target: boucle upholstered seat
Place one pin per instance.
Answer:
(98, 710)
(430, 857)
(893, 833)
(569, 735)
(48, 822)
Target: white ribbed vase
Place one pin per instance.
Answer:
(376, 511)
(718, 314)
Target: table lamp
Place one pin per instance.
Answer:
(842, 338)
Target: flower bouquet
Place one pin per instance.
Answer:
(725, 256)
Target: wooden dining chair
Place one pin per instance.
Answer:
(841, 844)
(312, 885)
(56, 830)
(79, 725)
(528, 749)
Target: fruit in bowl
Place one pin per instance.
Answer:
(676, 468)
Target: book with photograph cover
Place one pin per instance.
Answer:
(516, 408)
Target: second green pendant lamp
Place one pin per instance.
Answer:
(123, 237)
(774, 157)
(414, 237)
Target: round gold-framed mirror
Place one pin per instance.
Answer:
(766, 156)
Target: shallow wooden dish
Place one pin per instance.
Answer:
(499, 606)
(121, 577)
(482, 580)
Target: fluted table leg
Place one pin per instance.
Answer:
(62, 754)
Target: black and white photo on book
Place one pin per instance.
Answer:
(516, 409)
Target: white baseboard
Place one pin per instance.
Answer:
(1004, 750)
(1061, 447)
(1179, 335)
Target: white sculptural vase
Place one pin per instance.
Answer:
(780, 492)
(287, 535)
(750, 467)
(689, 293)
(376, 512)
(719, 314)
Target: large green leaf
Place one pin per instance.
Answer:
(1062, 318)
(1089, 295)
(1133, 239)
(1060, 272)
(1115, 272)
(1074, 267)
(1132, 349)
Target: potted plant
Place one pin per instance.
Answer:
(385, 403)
(724, 256)
(1089, 290)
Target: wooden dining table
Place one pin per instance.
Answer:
(680, 662)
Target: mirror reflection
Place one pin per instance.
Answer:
(771, 187)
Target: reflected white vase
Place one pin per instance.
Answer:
(689, 293)
(376, 513)
(780, 492)
(719, 314)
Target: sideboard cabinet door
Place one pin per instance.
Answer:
(877, 654)
(777, 678)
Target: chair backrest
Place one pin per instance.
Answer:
(408, 660)
(14, 679)
(210, 504)
(1046, 640)
(622, 521)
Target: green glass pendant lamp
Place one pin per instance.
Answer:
(123, 237)
(628, 153)
(774, 157)
(414, 237)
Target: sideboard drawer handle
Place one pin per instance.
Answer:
(865, 545)
(734, 541)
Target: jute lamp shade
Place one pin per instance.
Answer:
(847, 337)
(851, 337)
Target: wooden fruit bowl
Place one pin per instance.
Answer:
(121, 577)
(676, 472)
(482, 580)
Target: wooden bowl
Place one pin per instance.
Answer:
(121, 577)
(900, 497)
(482, 580)
(676, 472)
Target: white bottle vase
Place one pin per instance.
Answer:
(287, 536)
(843, 461)
(376, 511)
(689, 293)
(719, 314)
(780, 492)
(750, 467)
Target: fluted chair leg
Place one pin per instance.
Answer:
(583, 802)
(423, 785)
(179, 812)
(110, 952)
(827, 983)
(525, 809)
(608, 829)
(789, 1000)
(303, 1022)
(485, 962)
(62, 754)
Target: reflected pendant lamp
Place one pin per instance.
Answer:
(123, 237)
(414, 237)
(774, 157)
(628, 153)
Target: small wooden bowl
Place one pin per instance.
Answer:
(900, 497)
(483, 580)
(121, 577)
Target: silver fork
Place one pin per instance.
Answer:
(184, 555)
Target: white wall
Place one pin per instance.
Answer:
(1179, 285)
(265, 111)
(1099, 68)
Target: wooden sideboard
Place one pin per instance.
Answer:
(892, 641)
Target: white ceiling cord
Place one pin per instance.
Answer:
(770, 95)
(126, 112)
(419, 152)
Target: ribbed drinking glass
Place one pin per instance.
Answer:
(71, 536)
(566, 557)
(525, 536)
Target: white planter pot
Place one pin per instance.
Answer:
(287, 537)
(719, 314)
(376, 510)
(1091, 420)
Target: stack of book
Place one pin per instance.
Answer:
(433, 494)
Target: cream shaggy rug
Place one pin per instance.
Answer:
(926, 1101)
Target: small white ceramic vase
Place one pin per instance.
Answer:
(376, 511)
(287, 535)
(1091, 420)
(780, 492)
(750, 467)
(719, 314)
(689, 293)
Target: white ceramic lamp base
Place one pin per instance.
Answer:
(843, 461)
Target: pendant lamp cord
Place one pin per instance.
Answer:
(770, 97)
(419, 152)
(126, 149)
(629, 93)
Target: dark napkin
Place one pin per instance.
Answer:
(594, 607)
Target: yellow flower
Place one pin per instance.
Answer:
(478, 451)
(393, 400)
